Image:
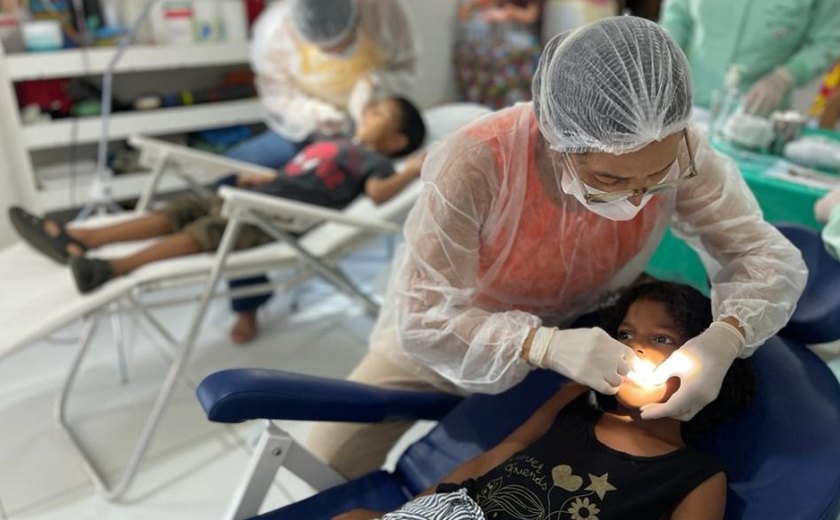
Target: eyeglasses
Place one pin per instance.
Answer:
(604, 198)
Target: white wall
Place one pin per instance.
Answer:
(12, 156)
(434, 25)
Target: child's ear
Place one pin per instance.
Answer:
(397, 142)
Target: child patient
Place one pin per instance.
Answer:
(588, 456)
(329, 172)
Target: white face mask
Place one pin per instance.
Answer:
(619, 210)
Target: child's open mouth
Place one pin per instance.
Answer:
(641, 374)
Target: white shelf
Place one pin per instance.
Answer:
(123, 187)
(78, 62)
(151, 122)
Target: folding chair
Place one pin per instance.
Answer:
(36, 314)
(782, 455)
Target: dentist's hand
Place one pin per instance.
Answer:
(766, 95)
(590, 357)
(361, 96)
(700, 364)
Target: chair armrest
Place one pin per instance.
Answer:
(195, 161)
(295, 212)
(244, 394)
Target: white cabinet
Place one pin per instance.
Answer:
(20, 142)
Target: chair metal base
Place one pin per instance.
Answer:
(295, 456)
(276, 449)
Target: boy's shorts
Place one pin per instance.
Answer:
(200, 217)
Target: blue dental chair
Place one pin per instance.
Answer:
(817, 317)
(782, 455)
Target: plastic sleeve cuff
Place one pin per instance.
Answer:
(539, 345)
(739, 342)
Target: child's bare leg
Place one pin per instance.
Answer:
(171, 246)
(147, 226)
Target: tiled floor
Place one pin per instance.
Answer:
(193, 465)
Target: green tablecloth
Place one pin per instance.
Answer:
(780, 200)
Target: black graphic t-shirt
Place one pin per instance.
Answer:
(328, 173)
(569, 474)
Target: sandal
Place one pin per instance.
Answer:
(90, 273)
(31, 229)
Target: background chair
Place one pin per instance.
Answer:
(54, 302)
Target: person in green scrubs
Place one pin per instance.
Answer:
(780, 44)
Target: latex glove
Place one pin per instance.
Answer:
(590, 357)
(824, 206)
(767, 93)
(700, 364)
(336, 126)
(360, 97)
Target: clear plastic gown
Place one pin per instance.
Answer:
(494, 247)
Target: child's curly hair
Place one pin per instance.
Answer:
(692, 314)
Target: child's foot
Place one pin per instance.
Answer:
(90, 273)
(245, 329)
(46, 236)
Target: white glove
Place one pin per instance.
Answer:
(824, 206)
(767, 93)
(360, 97)
(590, 357)
(701, 364)
(334, 126)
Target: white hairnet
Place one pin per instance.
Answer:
(324, 22)
(612, 86)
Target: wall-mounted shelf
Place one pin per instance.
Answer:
(84, 62)
(153, 122)
(27, 141)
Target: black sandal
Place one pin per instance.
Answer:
(90, 273)
(31, 229)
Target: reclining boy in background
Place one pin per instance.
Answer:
(328, 172)
(586, 455)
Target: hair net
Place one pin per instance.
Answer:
(612, 86)
(324, 22)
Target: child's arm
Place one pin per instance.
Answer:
(253, 180)
(380, 190)
(531, 430)
(525, 15)
(705, 502)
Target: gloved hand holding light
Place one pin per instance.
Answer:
(700, 364)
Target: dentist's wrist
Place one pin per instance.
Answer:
(539, 345)
(731, 334)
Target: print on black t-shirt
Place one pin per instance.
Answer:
(328, 173)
